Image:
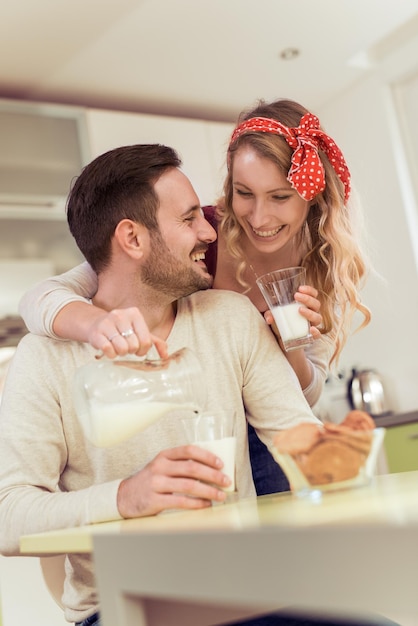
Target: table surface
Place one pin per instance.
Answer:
(391, 499)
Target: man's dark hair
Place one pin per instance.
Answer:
(117, 185)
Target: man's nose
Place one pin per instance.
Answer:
(206, 232)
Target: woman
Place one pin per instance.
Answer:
(285, 203)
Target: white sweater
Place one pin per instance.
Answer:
(41, 303)
(51, 477)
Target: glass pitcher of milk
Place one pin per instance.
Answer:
(115, 399)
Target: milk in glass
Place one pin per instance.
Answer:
(289, 321)
(225, 449)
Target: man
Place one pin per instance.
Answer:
(138, 222)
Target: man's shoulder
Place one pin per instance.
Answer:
(213, 305)
(220, 298)
(33, 341)
(46, 348)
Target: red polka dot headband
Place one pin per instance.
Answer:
(306, 173)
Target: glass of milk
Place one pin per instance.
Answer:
(279, 288)
(116, 399)
(214, 432)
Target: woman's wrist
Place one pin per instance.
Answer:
(75, 320)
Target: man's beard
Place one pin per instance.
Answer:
(165, 273)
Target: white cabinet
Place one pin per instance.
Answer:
(40, 231)
(42, 148)
(200, 144)
(218, 135)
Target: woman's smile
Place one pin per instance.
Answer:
(267, 234)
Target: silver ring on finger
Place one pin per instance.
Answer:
(112, 337)
(127, 333)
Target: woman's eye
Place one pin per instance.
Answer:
(240, 192)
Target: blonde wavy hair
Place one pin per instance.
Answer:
(335, 264)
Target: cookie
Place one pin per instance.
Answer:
(331, 461)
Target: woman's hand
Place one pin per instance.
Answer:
(124, 331)
(310, 306)
(118, 332)
(308, 298)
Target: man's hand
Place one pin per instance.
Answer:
(187, 477)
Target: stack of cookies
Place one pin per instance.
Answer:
(329, 453)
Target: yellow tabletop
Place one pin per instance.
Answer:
(389, 499)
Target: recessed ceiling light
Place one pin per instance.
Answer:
(288, 54)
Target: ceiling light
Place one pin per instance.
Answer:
(288, 54)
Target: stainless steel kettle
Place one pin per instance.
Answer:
(366, 392)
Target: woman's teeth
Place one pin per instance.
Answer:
(267, 233)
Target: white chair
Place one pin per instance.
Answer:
(54, 575)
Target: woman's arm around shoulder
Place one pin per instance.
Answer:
(60, 307)
(60, 297)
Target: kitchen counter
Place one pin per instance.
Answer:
(396, 419)
(388, 497)
(352, 553)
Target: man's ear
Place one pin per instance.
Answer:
(131, 237)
